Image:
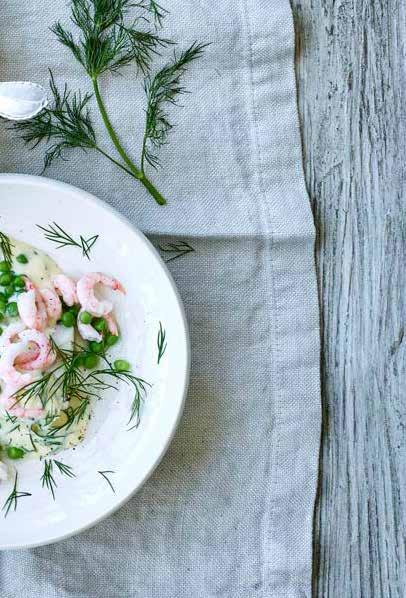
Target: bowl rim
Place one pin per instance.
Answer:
(184, 383)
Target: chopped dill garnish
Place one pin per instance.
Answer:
(11, 418)
(65, 470)
(6, 247)
(104, 475)
(34, 446)
(47, 478)
(12, 499)
(56, 234)
(139, 386)
(179, 249)
(161, 342)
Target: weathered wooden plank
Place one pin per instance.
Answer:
(352, 79)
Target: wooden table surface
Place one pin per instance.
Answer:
(352, 76)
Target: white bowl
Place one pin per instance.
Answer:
(123, 251)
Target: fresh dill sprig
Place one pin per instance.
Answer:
(161, 90)
(155, 9)
(56, 234)
(6, 247)
(66, 124)
(104, 475)
(138, 384)
(161, 342)
(107, 36)
(12, 499)
(179, 249)
(47, 478)
(108, 40)
(64, 469)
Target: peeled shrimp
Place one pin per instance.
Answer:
(87, 298)
(31, 308)
(10, 403)
(52, 303)
(87, 332)
(16, 380)
(45, 357)
(10, 334)
(111, 324)
(8, 371)
(66, 287)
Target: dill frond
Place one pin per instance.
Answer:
(58, 235)
(107, 40)
(6, 247)
(161, 90)
(12, 500)
(104, 475)
(66, 124)
(177, 249)
(161, 342)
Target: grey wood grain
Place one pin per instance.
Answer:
(351, 75)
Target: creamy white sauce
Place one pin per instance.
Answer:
(24, 433)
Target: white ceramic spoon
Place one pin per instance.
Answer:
(21, 100)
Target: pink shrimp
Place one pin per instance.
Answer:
(52, 303)
(45, 357)
(10, 335)
(11, 332)
(87, 298)
(86, 331)
(111, 324)
(9, 401)
(16, 380)
(8, 371)
(65, 287)
(31, 308)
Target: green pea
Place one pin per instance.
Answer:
(1, 316)
(5, 266)
(3, 297)
(68, 319)
(96, 347)
(1, 332)
(19, 282)
(85, 317)
(75, 309)
(9, 291)
(22, 259)
(3, 305)
(80, 361)
(91, 361)
(6, 279)
(99, 324)
(121, 365)
(14, 452)
(12, 309)
(111, 340)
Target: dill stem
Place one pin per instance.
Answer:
(116, 162)
(136, 173)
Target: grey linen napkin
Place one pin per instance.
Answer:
(228, 513)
